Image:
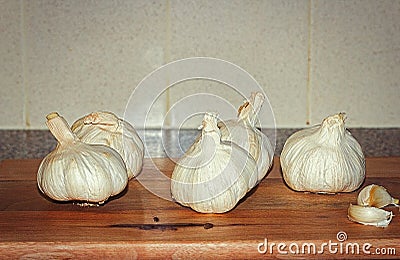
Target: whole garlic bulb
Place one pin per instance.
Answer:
(325, 158)
(107, 129)
(243, 132)
(76, 171)
(212, 176)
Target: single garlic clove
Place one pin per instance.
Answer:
(375, 196)
(369, 215)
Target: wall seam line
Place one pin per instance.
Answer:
(25, 105)
(309, 46)
(167, 58)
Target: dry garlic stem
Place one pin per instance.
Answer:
(369, 215)
(375, 196)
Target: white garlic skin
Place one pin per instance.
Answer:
(242, 131)
(80, 173)
(107, 129)
(75, 171)
(212, 176)
(324, 159)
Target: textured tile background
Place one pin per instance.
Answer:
(312, 58)
(84, 56)
(11, 66)
(356, 61)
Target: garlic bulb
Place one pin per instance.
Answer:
(325, 158)
(107, 129)
(369, 215)
(78, 171)
(212, 176)
(243, 132)
(375, 196)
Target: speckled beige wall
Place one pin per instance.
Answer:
(312, 58)
(11, 69)
(355, 61)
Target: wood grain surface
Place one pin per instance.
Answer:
(139, 224)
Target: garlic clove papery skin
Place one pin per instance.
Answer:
(369, 215)
(323, 159)
(242, 131)
(212, 176)
(107, 129)
(75, 171)
(375, 196)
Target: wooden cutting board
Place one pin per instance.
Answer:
(140, 224)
